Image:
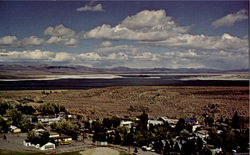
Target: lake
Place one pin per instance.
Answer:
(87, 83)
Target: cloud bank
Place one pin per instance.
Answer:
(149, 30)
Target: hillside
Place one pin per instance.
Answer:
(171, 101)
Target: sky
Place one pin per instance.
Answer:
(135, 34)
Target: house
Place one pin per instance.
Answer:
(49, 120)
(202, 134)
(163, 118)
(216, 151)
(195, 127)
(15, 129)
(53, 135)
(154, 122)
(171, 122)
(48, 146)
(62, 137)
(191, 121)
(39, 131)
(26, 143)
(126, 123)
(104, 143)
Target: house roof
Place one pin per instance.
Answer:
(188, 120)
(49, 143)
(13, 127)
(203, 132)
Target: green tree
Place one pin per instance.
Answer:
(107, 123)
(25, 124)
(180, 125)
(4, 125)
(66, 127)
(50, 108)
(235, 120)
(15, 116)
(25, 109)
(176, 148)
(144, 120)
(115, 121)
(19, 120)
(40, 125)
(3, 107)
(188, 148)
(199, 144)
(158, 146)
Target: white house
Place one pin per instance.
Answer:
(126, 123)
(48, 146)
(62, 138)
(53, 135)
(202, 134)
(15, 129)
(216, 151)
(26, 143)
(39, 131)
(171, 122)
(155, 122)
(49, 120)
(194, 127)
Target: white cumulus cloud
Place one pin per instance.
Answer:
(231, 19)
(62, 35)
(7, 40)
(12, 41)
(97, 7)
(145, 25)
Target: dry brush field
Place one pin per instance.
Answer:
(171, 101)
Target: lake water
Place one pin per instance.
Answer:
(85, 83)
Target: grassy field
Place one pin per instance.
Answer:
(2, 152)
(87, 152)
(170, 101)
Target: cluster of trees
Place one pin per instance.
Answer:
(234, 135)
(66, 127)
(100, 127)
(25, 109)
(15, 116)
(51, 108)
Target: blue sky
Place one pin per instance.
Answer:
(141, 34)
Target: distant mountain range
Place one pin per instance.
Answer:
(46, 69)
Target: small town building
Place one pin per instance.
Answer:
(126, 123)
(171, 122)
(15, 129)
(191, 121)
(48, 120)
(202, 134)
(53, 135)
(62, 137)
(154, 122)
(48, 146)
